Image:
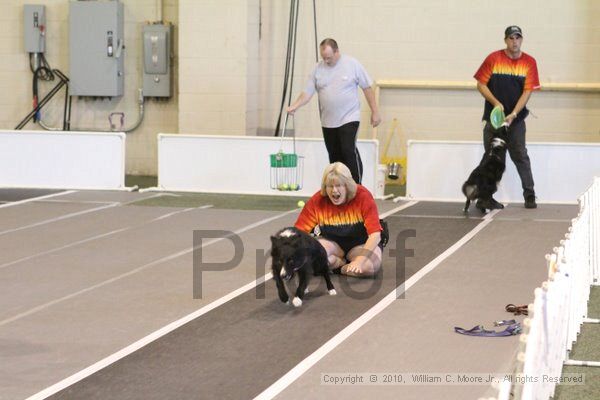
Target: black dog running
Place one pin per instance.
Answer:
(296, 252)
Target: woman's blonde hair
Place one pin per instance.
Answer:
(338, 171)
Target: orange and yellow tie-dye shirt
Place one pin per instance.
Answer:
(507, 79)
(356, 219)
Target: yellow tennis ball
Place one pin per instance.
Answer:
(301, 204)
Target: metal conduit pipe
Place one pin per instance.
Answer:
(46, 127)
(139, 121)
(141, 112)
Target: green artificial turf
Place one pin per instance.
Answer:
(587, 348)
(220, 200)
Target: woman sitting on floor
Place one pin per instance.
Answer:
(344, 218)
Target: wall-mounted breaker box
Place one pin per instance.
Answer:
(96, 48)
(34, 24)
(157, 39)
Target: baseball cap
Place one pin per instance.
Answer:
(512, 30)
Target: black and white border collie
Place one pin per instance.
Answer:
(483, 181)
(296, 252)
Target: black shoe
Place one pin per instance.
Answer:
(385, 233)
(530, 201)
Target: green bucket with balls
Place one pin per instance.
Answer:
(286, 168)
(286, 171)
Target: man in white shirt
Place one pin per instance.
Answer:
(336, 80)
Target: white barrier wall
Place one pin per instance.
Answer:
(436, 170)
(240, 164)
(64, 160)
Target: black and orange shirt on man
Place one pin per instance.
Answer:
(507, 79)
(348, 224)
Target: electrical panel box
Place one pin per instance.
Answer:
(157, 60)
(34, 24)
(96, 48)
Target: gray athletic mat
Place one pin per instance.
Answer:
(23, 215)
(100, 311)
(111, 195)
(544, 212)
(502, 264)
(33, 281)
(430, 208)
(41, 241)
(240, 348)
(17, 194)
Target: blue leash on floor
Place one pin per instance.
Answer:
(512, 328)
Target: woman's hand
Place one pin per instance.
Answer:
(353, 268)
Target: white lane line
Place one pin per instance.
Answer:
(491, 214)
(514, 219)
(57, 387)
(92, 238)
(75, 201)
(315, 357)
(136, 270)
(175, 213)
(142, 198)
(73, 244)
(438, 216)
(16, 203)
(174, 325)
(66, 216)
(84, 373)
(399, 208)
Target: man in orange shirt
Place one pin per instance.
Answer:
(506, 79)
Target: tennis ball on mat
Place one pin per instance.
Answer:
(300, 203)
(284, 186)
(294, 186)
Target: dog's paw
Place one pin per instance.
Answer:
(332, 292)
(297, 302)
(306, 290)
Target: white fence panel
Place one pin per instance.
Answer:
(436, 170)
(65, 160)
(240, 164)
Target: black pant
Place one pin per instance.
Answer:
(341, 146)
(515, 144)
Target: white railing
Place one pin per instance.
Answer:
(560, 306)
